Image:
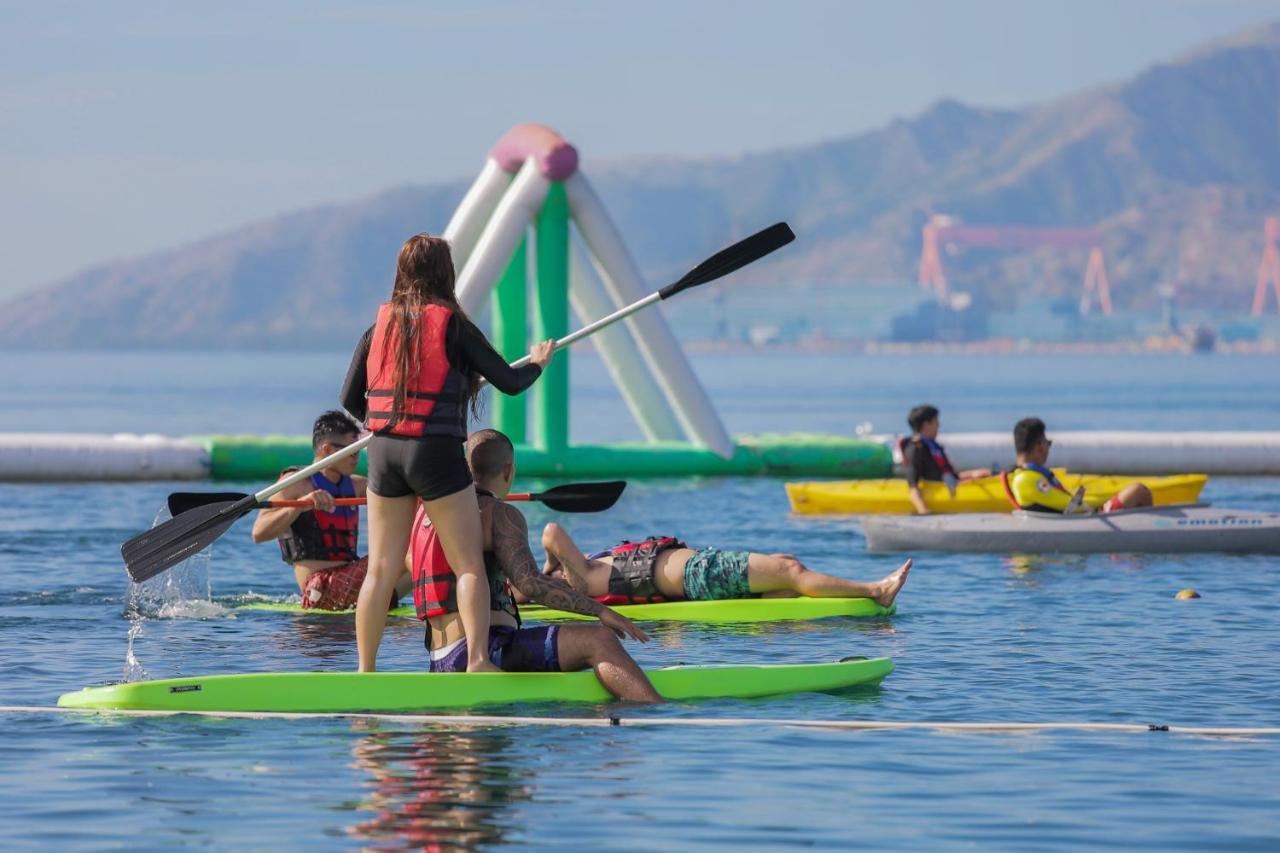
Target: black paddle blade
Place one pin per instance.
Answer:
(582, 497)
(164, 546)
(180, 502)
(735, 257)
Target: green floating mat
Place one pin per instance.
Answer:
(241, 457)
(339, 692)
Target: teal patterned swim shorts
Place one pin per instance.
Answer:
(712, 574)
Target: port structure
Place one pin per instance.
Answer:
(1269, 269)
(945, 233)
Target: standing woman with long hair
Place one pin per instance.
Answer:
(413, 377)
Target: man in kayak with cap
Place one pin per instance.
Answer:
(320, 543)
(1033, 486)
(512, 569)
(925, 459)
(662, 568)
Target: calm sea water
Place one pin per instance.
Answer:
(978, 638)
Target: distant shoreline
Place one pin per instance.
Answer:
(994, 345)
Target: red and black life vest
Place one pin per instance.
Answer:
(435, 396)
(936, 451)
(631, 576)
(435, 586)
(316, 535)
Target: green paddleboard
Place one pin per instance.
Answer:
(351, 692)
(729, 610)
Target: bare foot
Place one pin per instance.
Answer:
(892, 585)
(487, 666)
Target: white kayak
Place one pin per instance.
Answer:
(1153, 530)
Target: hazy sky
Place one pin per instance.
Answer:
(132, 126)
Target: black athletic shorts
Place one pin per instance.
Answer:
(430, 467)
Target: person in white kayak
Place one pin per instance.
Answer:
(1033, 486)
(512, 573)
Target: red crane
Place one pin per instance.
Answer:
(943, 232)
(1269, 269)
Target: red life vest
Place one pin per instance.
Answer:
(631, 576)
(435, 586)
(435, 396)
(317, 535)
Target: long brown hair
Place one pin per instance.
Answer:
(424, 276)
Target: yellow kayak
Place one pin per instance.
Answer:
(984, 495)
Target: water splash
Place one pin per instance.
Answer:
(182, 592)
(133, 670)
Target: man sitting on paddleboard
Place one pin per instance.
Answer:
(1033, 486)
(662, 568)
(510, 564)
(321, 544)
(925, 459)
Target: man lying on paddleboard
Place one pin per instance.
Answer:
(662, 568)
(1033, 486)
(321, 544)
(512, 569)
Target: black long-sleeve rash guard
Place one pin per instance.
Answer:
(467, 350)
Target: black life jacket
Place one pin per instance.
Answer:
(435, 586)
(316, 535)
(435, 397)
(631, 575)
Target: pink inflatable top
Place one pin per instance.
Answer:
(556, 158)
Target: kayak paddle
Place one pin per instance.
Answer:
(151, 552)
(572, 497)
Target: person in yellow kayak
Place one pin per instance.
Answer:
(512, 573)
(1032, 486)
(321, 543)
(925, 459)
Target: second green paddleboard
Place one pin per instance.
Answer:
(729, 610)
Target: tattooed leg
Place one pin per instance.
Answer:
(582, 646)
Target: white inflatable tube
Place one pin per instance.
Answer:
(642, 394)
(518, 209)
(467, 222)
(1111, 452)
(658, 345)
(77, 457)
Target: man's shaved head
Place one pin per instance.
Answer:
(489, 452)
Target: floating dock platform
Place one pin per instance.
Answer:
(69, 457)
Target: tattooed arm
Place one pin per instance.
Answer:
(511, 545)
(510, 535)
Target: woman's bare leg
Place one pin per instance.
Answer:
(774, 572)
(456, 518)
(390, 524)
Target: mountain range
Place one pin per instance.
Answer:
(1177, 167)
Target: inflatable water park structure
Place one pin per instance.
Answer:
(514, 248)
(513, 245)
